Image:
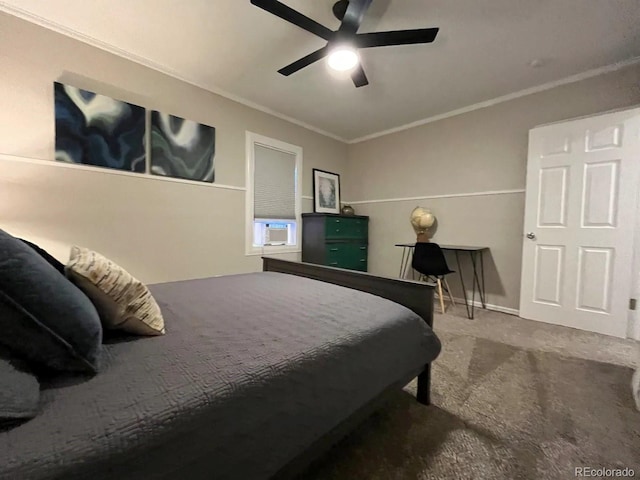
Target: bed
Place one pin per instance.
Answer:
(257, 375)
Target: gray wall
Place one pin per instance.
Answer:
(159, 230)
(481, 151)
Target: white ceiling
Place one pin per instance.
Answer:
(483, 51)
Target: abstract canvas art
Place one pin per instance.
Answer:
(93, 129)
(182, 148)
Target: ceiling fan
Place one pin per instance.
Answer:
(346, 40)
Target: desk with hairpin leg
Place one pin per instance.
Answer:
(477, 260)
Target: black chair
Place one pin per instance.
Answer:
(429, 260)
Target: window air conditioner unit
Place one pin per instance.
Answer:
(276, 234)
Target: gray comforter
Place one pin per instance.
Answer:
(252, 370)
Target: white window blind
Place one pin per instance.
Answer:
(274, 183)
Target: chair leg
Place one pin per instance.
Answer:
(446, 284)
(440, 295)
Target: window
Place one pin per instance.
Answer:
(273, 200)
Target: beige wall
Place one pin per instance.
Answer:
(481, 151)
(165, 230)
(160, 230)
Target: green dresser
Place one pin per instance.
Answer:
(335, 240)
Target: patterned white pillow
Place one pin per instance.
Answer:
(122, 301)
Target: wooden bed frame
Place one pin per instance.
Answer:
(416, 296)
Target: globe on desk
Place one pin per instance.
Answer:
(424, 223)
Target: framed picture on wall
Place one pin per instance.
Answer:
(326, 192)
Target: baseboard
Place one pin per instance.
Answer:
(494, 308)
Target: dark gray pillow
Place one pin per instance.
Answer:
(51, 260)
(44, 318)
(19, 392)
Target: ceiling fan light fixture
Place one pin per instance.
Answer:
(343, 58)
(343, 44)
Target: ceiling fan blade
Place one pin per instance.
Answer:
(399, 37)
(290, 15)
(304, 62)
(353, 16)
(358, 76)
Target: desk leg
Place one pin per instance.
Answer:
(476, 278)
(410, 264)
(406, 262)
(464, 290)
(474, 283)
(402, 264)
(483, 294)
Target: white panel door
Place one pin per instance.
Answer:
(580, 214)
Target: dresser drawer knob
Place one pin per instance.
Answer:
(362, 260)
(363, 248)
(333, 249)
(333, 263)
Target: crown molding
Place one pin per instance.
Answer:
(505, 98)
(107, 47)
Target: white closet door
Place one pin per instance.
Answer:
(580, 214)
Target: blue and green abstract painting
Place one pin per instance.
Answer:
(182, 148)
(93, 129)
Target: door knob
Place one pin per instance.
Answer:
(531, 236)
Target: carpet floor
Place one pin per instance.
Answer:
(499, 412)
